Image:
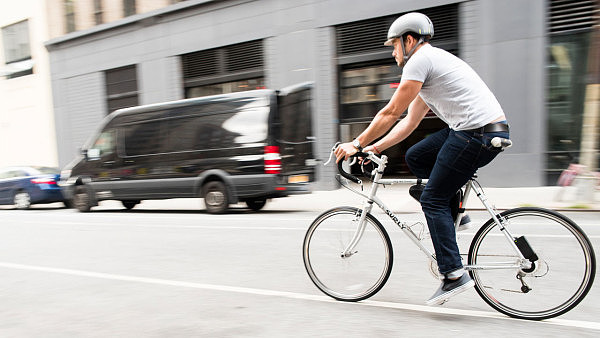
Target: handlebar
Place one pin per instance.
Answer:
(346, 174)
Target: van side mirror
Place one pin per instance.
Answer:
(93, 154)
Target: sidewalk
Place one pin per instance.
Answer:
(396, 197)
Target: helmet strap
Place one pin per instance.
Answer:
(407, 56)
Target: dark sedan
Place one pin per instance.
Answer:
(24, 186)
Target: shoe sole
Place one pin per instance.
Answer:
(441, 299)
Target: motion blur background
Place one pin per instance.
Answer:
(66, 64)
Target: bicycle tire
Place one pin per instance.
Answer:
(342, 277)
(558, 280)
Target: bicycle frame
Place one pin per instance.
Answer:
(472, 185)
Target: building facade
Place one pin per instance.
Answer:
(181, 49)
(27, 131)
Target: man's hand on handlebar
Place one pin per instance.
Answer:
(344, 151)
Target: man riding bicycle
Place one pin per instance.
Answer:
(435, 79)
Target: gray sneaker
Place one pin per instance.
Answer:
(450, 288)
(465, 223)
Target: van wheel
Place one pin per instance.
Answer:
(129, 204)
(81, 199)
(256, 204)
(215, 197)
(22, 200)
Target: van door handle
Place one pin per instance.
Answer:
(108, 163)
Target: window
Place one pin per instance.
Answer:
(129, 7)
(570, 27)
(228, 69)
(121, 88)
(142, 138)
(104, 145)
(17, 53)
(195, 133)
(365, 89)
(98, 19)
(225, 87)
(69, 15)
(16, 42)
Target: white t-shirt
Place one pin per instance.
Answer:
(452, 89)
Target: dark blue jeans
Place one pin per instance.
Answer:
(448, 159)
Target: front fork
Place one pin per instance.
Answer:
(362, 224)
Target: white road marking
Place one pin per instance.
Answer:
(236, 227)
(293, 295)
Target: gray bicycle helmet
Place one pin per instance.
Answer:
(411, 22)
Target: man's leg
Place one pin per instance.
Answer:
(455, 165)
(421, 157)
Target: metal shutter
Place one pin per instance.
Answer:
(223, 61)
(571, 16)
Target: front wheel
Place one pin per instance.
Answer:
(352, 276)
(81, 199)
(556, 274)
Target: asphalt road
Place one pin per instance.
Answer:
(179, 272)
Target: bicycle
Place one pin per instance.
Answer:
(528, 263)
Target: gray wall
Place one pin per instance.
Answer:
(503, 40)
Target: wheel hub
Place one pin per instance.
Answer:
(215, 198)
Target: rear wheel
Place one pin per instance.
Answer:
(256, 204)
(560, 267)
(22, 200)
(81, 199)
(215, 197)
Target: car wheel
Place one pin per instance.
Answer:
(81, 199)
(256, 204)
(129, 204)
(22, 200)
(215, 197)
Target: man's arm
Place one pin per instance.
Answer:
(385, 118)
(416, 111)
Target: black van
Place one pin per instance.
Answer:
(242, 147)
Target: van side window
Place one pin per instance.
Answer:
(194, 133)
(142, 138)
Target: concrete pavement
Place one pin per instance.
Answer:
(396, 197)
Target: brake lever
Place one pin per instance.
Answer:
(331, 153)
